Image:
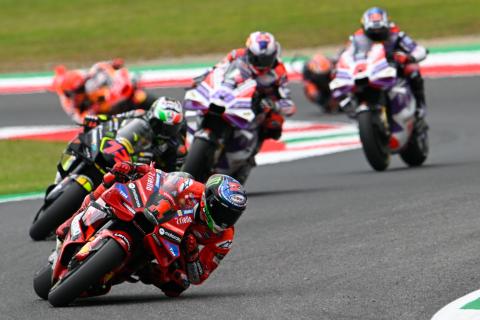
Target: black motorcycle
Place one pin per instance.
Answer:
(82, 166)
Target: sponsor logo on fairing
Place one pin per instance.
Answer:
(136, 197)
(121, 236)
(184, 219)
(129, 208)
(150, 181)
(173, 248)
(169, 235)
(157, 181)
(225, 244)
(131, 185)
(123, 191)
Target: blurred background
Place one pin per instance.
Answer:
(323, 238)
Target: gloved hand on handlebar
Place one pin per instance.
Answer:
(401, 58)
(122, 171)
(91, 121)
(272, 126)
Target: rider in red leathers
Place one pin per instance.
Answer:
(399, 47)
(218, 204)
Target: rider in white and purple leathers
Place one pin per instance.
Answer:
(399, 47)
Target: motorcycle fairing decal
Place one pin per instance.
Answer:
(169, 235)
(113, 147)
(172, 248)
(157, 182)
(135, 195)
(123, 191)
(85, 182)
(66, 161)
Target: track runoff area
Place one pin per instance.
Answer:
(301, 139)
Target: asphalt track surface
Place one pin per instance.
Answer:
(323, 238)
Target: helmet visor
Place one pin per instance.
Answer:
(261, 61)
(377, 34)
(221, 215)
(163, 129)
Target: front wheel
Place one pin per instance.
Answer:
(374, 148)
(43, 282)
(88, 273)
(199, 159)
(57, 212)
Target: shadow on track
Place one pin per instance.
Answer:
(428, 166)
(159, 297)
(254, 194)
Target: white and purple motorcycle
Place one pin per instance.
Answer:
(383, 104)
(229, 117)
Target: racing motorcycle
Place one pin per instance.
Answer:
(229, 114)
(81, 168)
(113, 238)
(383, 104)
(316, 74)
(109, 89)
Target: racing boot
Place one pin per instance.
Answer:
(242, 174)
(418, 90)
(175, 287)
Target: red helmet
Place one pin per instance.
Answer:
(73, 81)
(319, 64)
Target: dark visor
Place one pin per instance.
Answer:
(261, 61)
(222, 216)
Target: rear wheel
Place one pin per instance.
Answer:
(59, 211)
(199, 159)
(375, 150)
(43, 282)
(416, 151)
(88, 273)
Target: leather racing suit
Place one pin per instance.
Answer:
(407, 53)
(198, 262)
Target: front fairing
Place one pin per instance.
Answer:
(361, 67)
(228, 87)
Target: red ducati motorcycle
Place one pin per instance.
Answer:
(114, 237)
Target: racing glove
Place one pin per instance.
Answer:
(91, 121)
(194, 267)
(401, 58)
(272, 126)
(121, 172)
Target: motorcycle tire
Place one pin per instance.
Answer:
(416, 151)
(198, 161)
(374, 149)
(99, 263)
(42, 282)
(58, 212)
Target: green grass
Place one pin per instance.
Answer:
(28, 165)
(35, 35)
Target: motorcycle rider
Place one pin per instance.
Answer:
(157, 135)
(260, 60)
(376, 27)
(217, 205)
(317, 73)
(82, 93)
